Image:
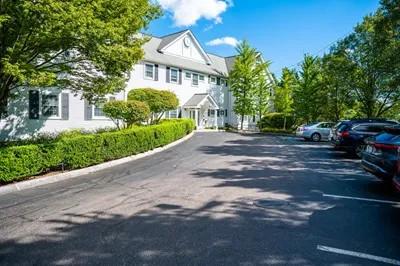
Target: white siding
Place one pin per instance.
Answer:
(18, 125)
(192, 52)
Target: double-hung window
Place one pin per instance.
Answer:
(98, 108)
(51, 105)
(201, 78)
(149, 71)
(174, 75)
(195, 79)
(213, 80)
(188, 75)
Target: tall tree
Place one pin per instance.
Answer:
(372, 52)
(283, 94)
(263, 87)
(340, 97)
(307, 95)
(87, 46)
(244, 80)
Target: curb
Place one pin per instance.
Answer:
(278, 134)
(91, 169)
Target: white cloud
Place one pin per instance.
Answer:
(188, 12)
(231, 41)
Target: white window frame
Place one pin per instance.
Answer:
(177, 75)
(198, 81)
(202, 80)
(102, 117)
(190, 73)
(211, 80)
(45, 93)
(176, 112)
(145, 71)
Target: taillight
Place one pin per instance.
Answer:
(386, 146)
(344, 134)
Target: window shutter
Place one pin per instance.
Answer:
(209, 112)
(156, 72)
(33, 104)
(209, 79)
(88, 110)
(226, 112)
(168, 74)
(218, 81)
(180, 76)
(64, 106)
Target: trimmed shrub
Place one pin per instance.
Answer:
(130, 112)
(80, 151)
(276, 120)
(159, 101)
(17, 162)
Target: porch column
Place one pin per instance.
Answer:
(196, 118)
(215, 119)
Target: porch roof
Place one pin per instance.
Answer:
(198, 99)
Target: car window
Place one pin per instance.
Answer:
(361, 128)
(311, 124)
(342, 128)
(376, 128)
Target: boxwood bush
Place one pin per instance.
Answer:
(78, 151)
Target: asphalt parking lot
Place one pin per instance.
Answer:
(217, 199)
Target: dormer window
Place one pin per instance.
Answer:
(174, 75)
(149, 71)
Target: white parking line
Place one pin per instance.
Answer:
(358, 254)
(362, 199)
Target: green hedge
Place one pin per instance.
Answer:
(276, 120)
(18, 162)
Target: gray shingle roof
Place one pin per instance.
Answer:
(219, 65)
(229, 62)
(195, 100)
(165, 40)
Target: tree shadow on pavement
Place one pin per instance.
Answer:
(240, 233)
(243, 231)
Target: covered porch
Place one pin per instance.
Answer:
(203, 109)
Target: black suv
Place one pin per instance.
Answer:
(350, 135)
(382, 155)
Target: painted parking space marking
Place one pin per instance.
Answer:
(358, 255)
(361, 199)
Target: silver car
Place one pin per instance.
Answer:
(315, 131)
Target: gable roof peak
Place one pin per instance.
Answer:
(167, 40)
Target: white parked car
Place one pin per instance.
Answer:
(315, 131)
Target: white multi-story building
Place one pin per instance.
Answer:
(175, 62)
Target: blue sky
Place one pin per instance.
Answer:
(283, 30)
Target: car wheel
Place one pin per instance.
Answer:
(359, 150)
(316, 137)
